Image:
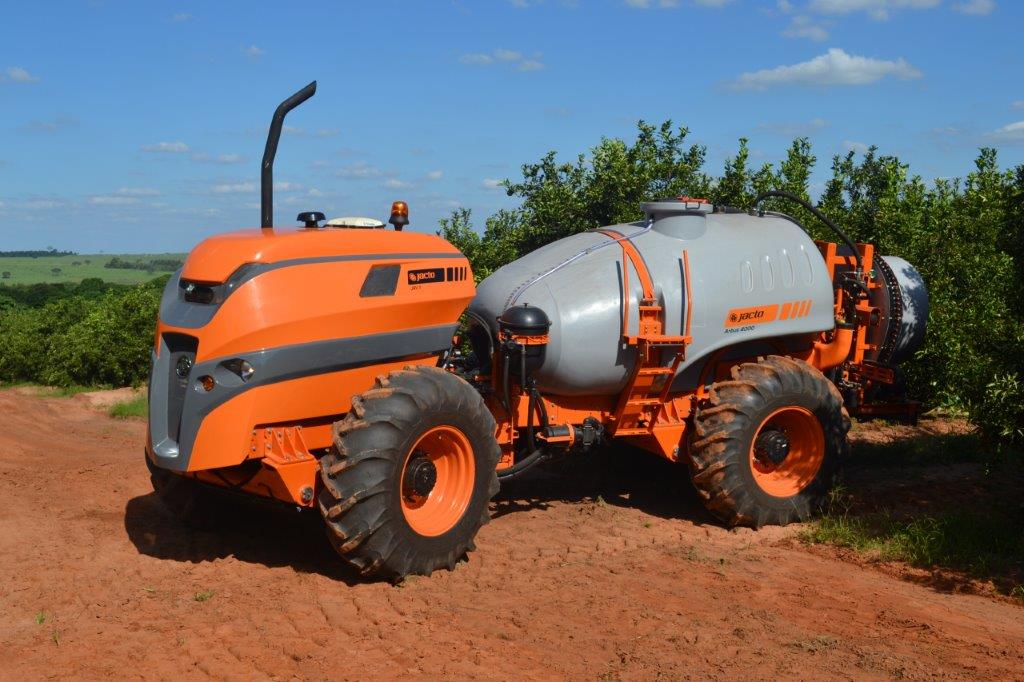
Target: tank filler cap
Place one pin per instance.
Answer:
(524, 320)
(679, 206)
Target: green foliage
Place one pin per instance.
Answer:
(149, 265)
(965, 236)
(80, 340)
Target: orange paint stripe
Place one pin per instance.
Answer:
(786, 309)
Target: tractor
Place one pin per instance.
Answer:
(317, 366)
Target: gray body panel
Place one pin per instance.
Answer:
(736, 261)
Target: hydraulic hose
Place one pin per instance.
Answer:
(538, 454)
(817, 214)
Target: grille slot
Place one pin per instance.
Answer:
(181, 358)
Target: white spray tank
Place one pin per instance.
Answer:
(737, 262)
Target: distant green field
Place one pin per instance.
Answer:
(76, 268)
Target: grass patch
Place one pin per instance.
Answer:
(985, 542)
(73, 269)
(205, 595)
(926, 449)
(136, 407)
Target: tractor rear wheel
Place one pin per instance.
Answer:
(768, 443)
(407, 489)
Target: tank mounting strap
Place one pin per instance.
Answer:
(643, 399)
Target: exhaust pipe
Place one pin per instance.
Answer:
(273, 137)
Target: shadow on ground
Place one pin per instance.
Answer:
(272, 537)
(620, 476)
(248, 532)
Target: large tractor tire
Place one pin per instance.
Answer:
(768, 443)
(408, 487)
(192, 502)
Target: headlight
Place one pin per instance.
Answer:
(241, 368)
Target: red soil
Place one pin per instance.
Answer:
(564, 585)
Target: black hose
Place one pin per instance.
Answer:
(538, 454)
(817, 214)
(504, 384)
(520, 467)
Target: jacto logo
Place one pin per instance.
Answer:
(739, 317)
(762, 314)
(416, 277)
(426, 276)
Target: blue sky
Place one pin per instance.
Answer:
(139, 126)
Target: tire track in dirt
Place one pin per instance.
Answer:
(564, 585)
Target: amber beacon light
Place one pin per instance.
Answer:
(399, 215)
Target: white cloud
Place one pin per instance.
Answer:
(712, 3)
(435, 175)
(180, 17)
(802, 26)
(493, 183)
(835, 67)
(138, 192)
(977, 7)
(286, 187)
(234, 188)
(301, 132)
(360, 171)
(795, 129)
(59, 123)
(647, 4)
(854, 146)
(508, 55)
(42, 203)
(1013, 132)
(253, 52)
(394, 183)
(1019, 104)
(876, 9)
(314, 192)
(785, 6)
(107, 200)
(476, 59)
(165, 148)
(511, 57)
(16, 74)
(224, 159)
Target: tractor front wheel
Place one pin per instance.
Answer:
(768, 443)
(407, 489)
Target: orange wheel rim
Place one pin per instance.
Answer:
(787, 451)
(437, 480)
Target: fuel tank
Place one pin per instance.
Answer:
(743, 277)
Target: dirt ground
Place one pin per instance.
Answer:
(96, 581)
